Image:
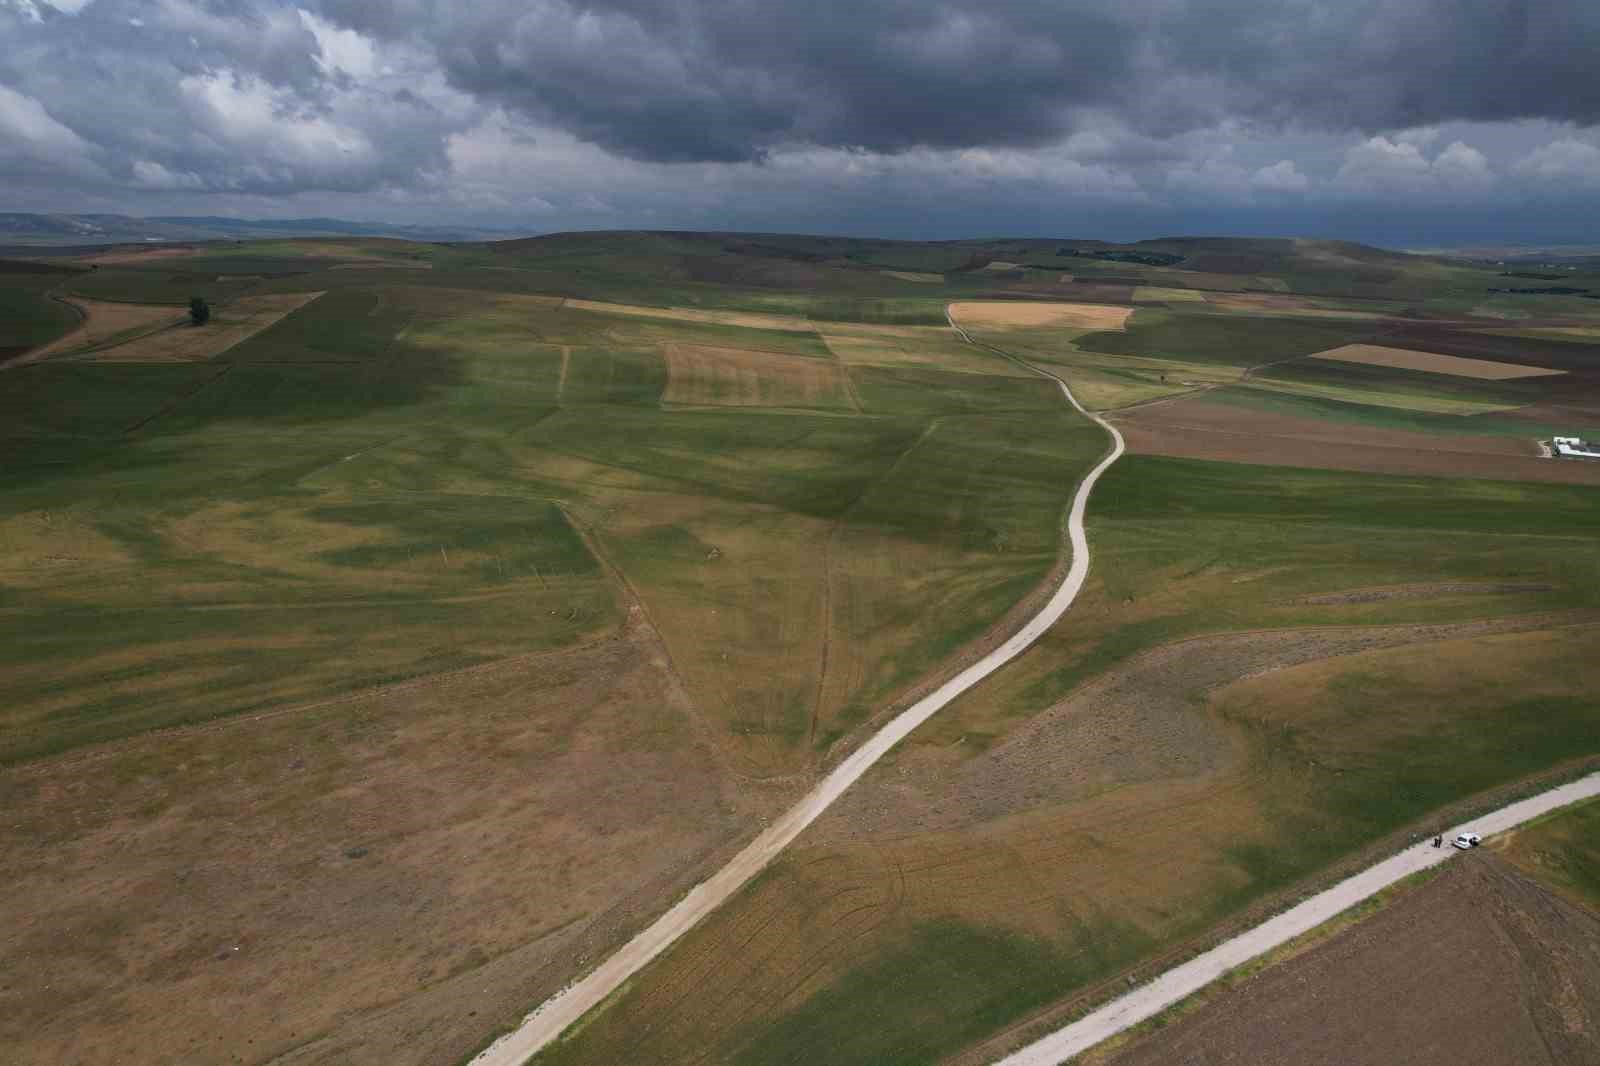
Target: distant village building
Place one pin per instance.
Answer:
(1574, 448)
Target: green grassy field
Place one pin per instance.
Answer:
(1563, 851)
(1327, 762)
(378, 487)
(1227, 340)
(463, 455)
(31, 317)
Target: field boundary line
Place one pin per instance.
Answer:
(37, 352)
(827, 566)
(552, 1018)
(1183, 981)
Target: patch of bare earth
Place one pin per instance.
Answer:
(1015, 314)
(1136, 724)
(1201, 428)
(143, 255)
(1481, 966)
(230, 325)
(1432, 362)
(104, 321)
(387, 879)
(747, 319)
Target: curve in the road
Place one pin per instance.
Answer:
(1183, 981)
(551, 1018)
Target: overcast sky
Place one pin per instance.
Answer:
(1402, 122)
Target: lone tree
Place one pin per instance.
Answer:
(199, 310)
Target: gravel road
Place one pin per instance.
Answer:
(551, 1018)
(1183, 981)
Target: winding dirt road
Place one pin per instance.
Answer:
(551, 1018)
(1180, 982)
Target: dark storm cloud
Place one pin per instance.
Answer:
(712, 113)
(231, 97)
(726, 80)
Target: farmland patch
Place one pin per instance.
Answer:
(107, 323)
(1282, 304)
(746, 319)
(231, 324)
(1478, 965)
(1086, 847)
(913, 346)
(1005, 314)
(701, 374)
(1158, 294)
(1431, 362)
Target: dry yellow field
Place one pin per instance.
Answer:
(1007, 314)
(229, 325)
(704, 374)
(685, 314)
(142, 255)
(934, 347)
(1580, 334)
(105, 321)
(1283, 304)
(1159, 294)
(1432, 362)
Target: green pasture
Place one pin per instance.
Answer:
(1563, 851)
(28, 316)
(1226, 339)
(373, 488)
(1185, 548)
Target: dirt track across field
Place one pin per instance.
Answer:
(552, 1018)
(1183, 981)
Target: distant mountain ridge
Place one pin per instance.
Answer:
(59, 229)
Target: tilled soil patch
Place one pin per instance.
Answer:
(1479, 967)
(1202, 428)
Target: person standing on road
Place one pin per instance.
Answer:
(1438, 840)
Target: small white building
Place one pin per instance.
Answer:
(1574, 448)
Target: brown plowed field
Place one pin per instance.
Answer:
(1474, 344)
(1203, 428)
(1479, 967)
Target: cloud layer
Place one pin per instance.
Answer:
(910, 116)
